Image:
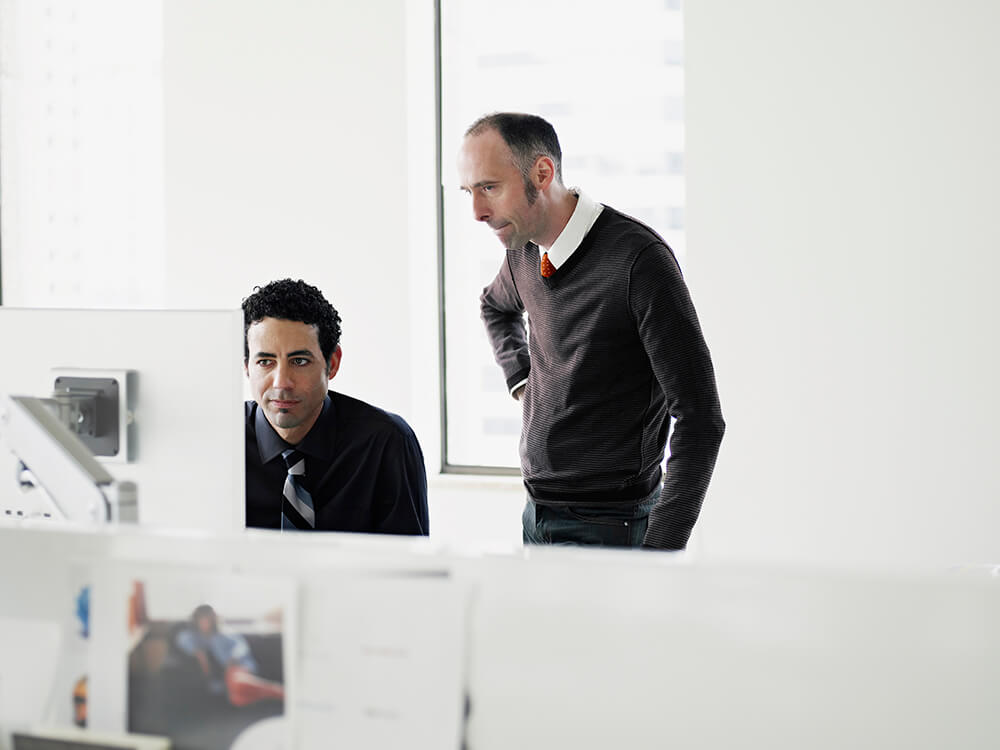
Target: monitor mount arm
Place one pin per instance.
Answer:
(81, 488)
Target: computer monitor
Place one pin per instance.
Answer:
(187, 418)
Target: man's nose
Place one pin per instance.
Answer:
(282, 376)
(480, 208)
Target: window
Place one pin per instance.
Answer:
(611, 82)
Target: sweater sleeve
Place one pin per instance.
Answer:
(671, 335)
(502, 312)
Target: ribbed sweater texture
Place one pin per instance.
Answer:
(612, 351)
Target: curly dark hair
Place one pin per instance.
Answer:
(293, 300)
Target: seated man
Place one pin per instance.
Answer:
(317, 459)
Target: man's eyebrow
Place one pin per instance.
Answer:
(296, 353)
(477, 185)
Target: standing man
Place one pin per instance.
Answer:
(615, 350)
(317, 459)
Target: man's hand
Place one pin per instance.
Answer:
(518, 393)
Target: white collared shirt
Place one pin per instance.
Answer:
(569, 239)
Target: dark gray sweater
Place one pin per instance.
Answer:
(615, 350)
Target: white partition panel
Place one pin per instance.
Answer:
(576, 648)
(594, 651)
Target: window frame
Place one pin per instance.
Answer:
(446, 466)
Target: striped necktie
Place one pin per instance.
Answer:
(297, 508)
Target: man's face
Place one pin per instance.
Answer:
(487, 171)
(206, 624)
(288, 376)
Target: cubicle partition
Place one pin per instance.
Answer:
(386, 642)
(350, 640)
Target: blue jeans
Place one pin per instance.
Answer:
(612, 525)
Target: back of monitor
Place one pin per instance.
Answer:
(187, 461)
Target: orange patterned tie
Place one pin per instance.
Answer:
(547, 268)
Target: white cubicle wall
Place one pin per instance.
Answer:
(373, 637)
(577, 650)
(189, 402)
(598, 649)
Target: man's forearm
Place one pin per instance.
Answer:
(503, 317)
(694, 448)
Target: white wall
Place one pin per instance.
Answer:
(842, 251)
(286, 156)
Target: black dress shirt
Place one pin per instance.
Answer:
(364, 470)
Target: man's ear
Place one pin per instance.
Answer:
(543, 172)
(334, 363)
(246, 367)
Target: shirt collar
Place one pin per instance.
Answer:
(583, 218)
(318, 442)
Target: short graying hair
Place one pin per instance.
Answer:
(527, 136)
